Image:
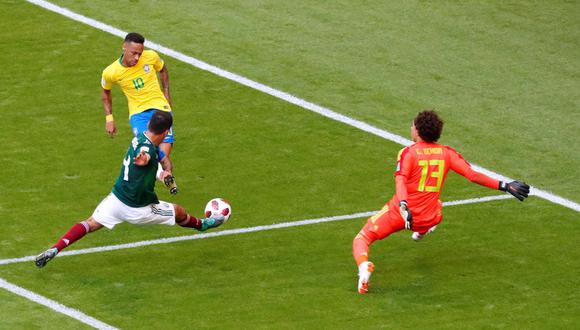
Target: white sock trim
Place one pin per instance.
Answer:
(87, 227)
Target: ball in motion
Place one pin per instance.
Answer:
(218, 206)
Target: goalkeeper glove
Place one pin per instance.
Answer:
(406, 214)
(520, 190)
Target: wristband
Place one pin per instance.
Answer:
(109, 118)
(502, 186)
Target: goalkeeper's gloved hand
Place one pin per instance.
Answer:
(170, 183)
(517, 188)
(406, 214)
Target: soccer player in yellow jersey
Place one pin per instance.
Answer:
(136, 73)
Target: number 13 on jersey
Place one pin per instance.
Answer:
(432, 168)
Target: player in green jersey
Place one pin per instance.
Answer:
(133, 198)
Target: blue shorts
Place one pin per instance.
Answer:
(139, 122)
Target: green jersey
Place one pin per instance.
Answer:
(135, 185)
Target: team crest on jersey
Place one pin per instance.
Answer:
(146, 68)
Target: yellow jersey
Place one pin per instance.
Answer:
(139, 83)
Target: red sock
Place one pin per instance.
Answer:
(360, 249)
(73, 234)
(191, 222)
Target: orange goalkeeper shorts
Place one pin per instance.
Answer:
(388, 221)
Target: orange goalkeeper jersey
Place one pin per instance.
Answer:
(420, 175)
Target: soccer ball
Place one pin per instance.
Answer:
(218, 206)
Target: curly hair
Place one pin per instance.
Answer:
(428, 125)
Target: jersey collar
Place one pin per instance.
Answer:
(148, 139)
(121, 61)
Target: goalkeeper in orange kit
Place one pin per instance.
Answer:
(420, 175)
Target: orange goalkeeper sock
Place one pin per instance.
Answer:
(360, 249)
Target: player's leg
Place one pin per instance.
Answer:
(140, 121)
(378, 227)
(417, 236)
(184, 219)
(76, 232)
(360, 250)
(420, 232)
(164, 213)
(107, 214)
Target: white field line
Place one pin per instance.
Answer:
(237, 231)
(58, 307)
(284, 96)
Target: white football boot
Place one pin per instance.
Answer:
(417, 237)
(365, 270)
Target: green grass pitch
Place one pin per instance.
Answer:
(504, 75)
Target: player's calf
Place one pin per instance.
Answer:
(201, 224)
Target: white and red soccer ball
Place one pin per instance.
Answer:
(218, 206)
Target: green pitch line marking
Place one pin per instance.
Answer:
(283, 96)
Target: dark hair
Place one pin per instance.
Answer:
(428, 125)
(134, 37)
(160, 122)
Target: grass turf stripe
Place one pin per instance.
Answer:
(55, 306)
(283, 96)
(238, 231)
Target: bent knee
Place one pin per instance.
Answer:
(364, 236)
(92, 225)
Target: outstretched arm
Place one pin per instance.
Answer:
(464, 169)
(518, 189)
(108, 107)
(164, 75)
